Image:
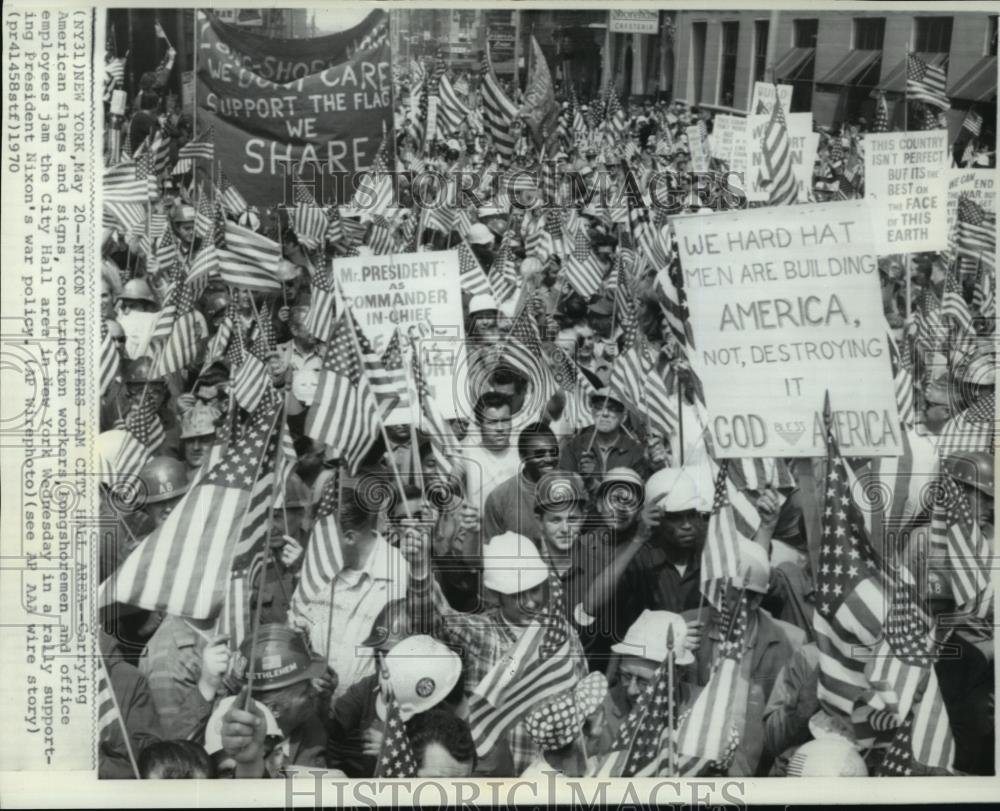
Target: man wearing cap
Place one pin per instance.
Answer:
(279, 673)
(591, 452)
(302, 350)
(182, 217)
(481, 324)
(487, 456)
(516, 574)
(372, 573)
(197, 436)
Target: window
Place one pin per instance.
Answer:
(727, 78)
(932, 34)
(699, 33)
(760, 30)
(805, 33)
(869, 32)
(991, 42)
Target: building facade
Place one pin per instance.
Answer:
(836, 61)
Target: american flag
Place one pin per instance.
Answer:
(309, 221)
(204, 267)
(645, 237)
(984, 292)
(522, 351)
(126, 196)
(334, 225)
(396, 760)
(175, 339)
(324, 557)
(973, 429)
(376, 185)
(903, 384)
(953, 304)
(165, 255)
(451, 111)
(387, 376)
(503, 273)
(538, 667)
(114, 75)
(635, 378)
(898, 760)
(973, 122)
(615, 117)
(319, 321)
(160, 150)
(626, 307)
(583, 269)
(204, 218)
(203, 148)
(218, 344)
(182, 567)
(143, 434)
(236, 614)
(249, 260)
(380, 236)
(110, 359)
(926, 83)
(959, 547)
(777, 151)
(431, 421)
(470, 273)
(232, 201)
(931, 331)
(670, 286)
(252, 379)
(499, 111)
(975, 232)
(344, 413)
(145, 172)
(720, 558)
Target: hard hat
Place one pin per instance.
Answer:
(603, 305)
(422, 672)
(619, 476)
(479, 234)
(213, 732)
(974, 468)
(287, 271)
(511, 564)
(827, 757)
(485, 212)
(755, 568)
(676, 489)
(137, 370)
(281, 658)
(605, 393)
(482, 303)
(824, 725)
(295, 494)
(646, 638)
(557, 723)
(215, 301)
(391, 626)
(138, 290)
(981, 371)
(560, 490)
(530, 265)
(182, 212)
(198, 421)
(164, 478)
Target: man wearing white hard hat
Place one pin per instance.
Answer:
(515, 573)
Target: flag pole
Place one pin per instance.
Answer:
(329, 617)
(121, 720)
(671, 753)
(416, 472)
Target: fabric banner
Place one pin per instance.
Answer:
(906, 184)
(333, 120)
(282, 60)
(784, 310)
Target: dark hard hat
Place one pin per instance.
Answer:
(281, 658)
(391, 626)
(164, 478)
(215, 301)
(974, 468)
(137, 370)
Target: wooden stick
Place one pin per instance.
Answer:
(671, 753)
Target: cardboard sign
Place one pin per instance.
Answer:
(420, 294)
(757, 176)
(633, 21)
(699, 156)
(784, 309)
(763, 98)
(906, 186)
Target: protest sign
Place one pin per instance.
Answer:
(757, 178)
(333, 119)
(763, 98)
(783, 311)
(699, 158)
(420, 294)
(726, 129)
(906, 185)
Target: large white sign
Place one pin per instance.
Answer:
(783, 310)
(632, 21)
(906, 185)
(802, 152)
(420, 294)
(763, 98)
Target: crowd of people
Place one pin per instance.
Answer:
(569, 509)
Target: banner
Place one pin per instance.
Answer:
(282, 60)
(333, 119)
(906, 184)
(418, 292)
(763, 98)
(539, 109)
(799, 136)
(784, 310)
(633, 21)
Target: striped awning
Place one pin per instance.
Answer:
(792, 63)
(979, 84)
(895, 79)
(852, 67)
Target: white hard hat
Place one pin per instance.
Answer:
(481, 303)
(827, 757)
(479, 234)
(213, 732)
(647, 638)
(755, 568)
(676, 490)
(511, 564)
(287, 270)
(422, 671)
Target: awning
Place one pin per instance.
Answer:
(792, 63)
(852, 67)
(895, 80)
(979, 84)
